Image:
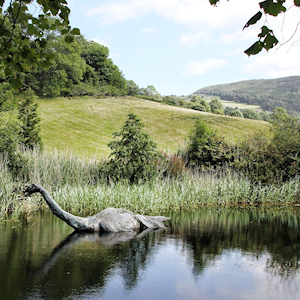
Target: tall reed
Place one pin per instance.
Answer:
(77, 187)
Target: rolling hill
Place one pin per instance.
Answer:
(85, 126)
(267, 93)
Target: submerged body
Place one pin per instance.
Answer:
(108, 220)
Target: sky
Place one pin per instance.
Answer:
(180, 46)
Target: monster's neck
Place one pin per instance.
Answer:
(75, 222)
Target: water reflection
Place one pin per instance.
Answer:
(208, 254)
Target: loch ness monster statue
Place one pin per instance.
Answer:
(108, 220)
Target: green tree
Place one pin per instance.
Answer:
(9, 148)
(206, 149)
(66, 68)
(134, 154)
(108, 76)
(153, 92)
(22, 34)
(264, 116)
(216, 107)
(266, 38)
(275, 159)
(251, 114)
(236, 113)
(29, 122)
(228, 110)
(132, 88)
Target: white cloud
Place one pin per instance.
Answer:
(276, 63)
(186, 12)
(149, 30)
(192, 39)
(201, 67)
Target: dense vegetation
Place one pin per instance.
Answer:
(80, 68)
(260, 171)
(269, 94)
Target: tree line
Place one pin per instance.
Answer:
(267, 93)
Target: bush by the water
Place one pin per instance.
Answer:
(275, 159)
(206, 149)
(267, 160)
(134, 154)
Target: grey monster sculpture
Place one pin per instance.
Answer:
(108, 220)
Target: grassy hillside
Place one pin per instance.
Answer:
(84, 126)
(268, 94)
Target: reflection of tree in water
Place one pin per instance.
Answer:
(85, 261)
(89, 260)
(208, 232)
(134, 258)
(78, 263)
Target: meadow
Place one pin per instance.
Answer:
(85, 126)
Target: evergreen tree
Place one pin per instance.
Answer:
(134, 154)
(29, 122)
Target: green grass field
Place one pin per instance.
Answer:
(84, 126)
(233, 104)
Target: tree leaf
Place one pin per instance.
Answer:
(75, 31)
(264, 31)
(254, 49)
(69, 39)
(31, 29)
(273, 8)
(214, 2)
(297, 2)
(270, 41)
(16, 82)
(254, 19)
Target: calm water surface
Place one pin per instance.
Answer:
(208, 254)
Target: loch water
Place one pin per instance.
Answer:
(206, 254)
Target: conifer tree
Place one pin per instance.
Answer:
(29, 122)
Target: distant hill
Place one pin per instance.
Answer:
(267, 93)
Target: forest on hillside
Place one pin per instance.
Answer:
(75, 67)
(267, 93)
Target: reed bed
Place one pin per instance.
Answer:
(77, 187)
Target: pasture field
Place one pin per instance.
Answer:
(84, 126)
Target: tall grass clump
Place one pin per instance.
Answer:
(55, 169)
(9, 191)
(158, 196)
(189, 193)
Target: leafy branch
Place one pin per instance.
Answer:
(23, 36)
(266, 38)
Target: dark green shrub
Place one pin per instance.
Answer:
(228, 110)
(134, 154)
(251, 114)
(275, 159)
(206, 149)
(236, 113)
(29, 132)
(216, 107)
(9, 139)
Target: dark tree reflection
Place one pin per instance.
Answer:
(209, 232)
(44, 259)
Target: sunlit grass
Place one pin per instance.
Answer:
(85, 125)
